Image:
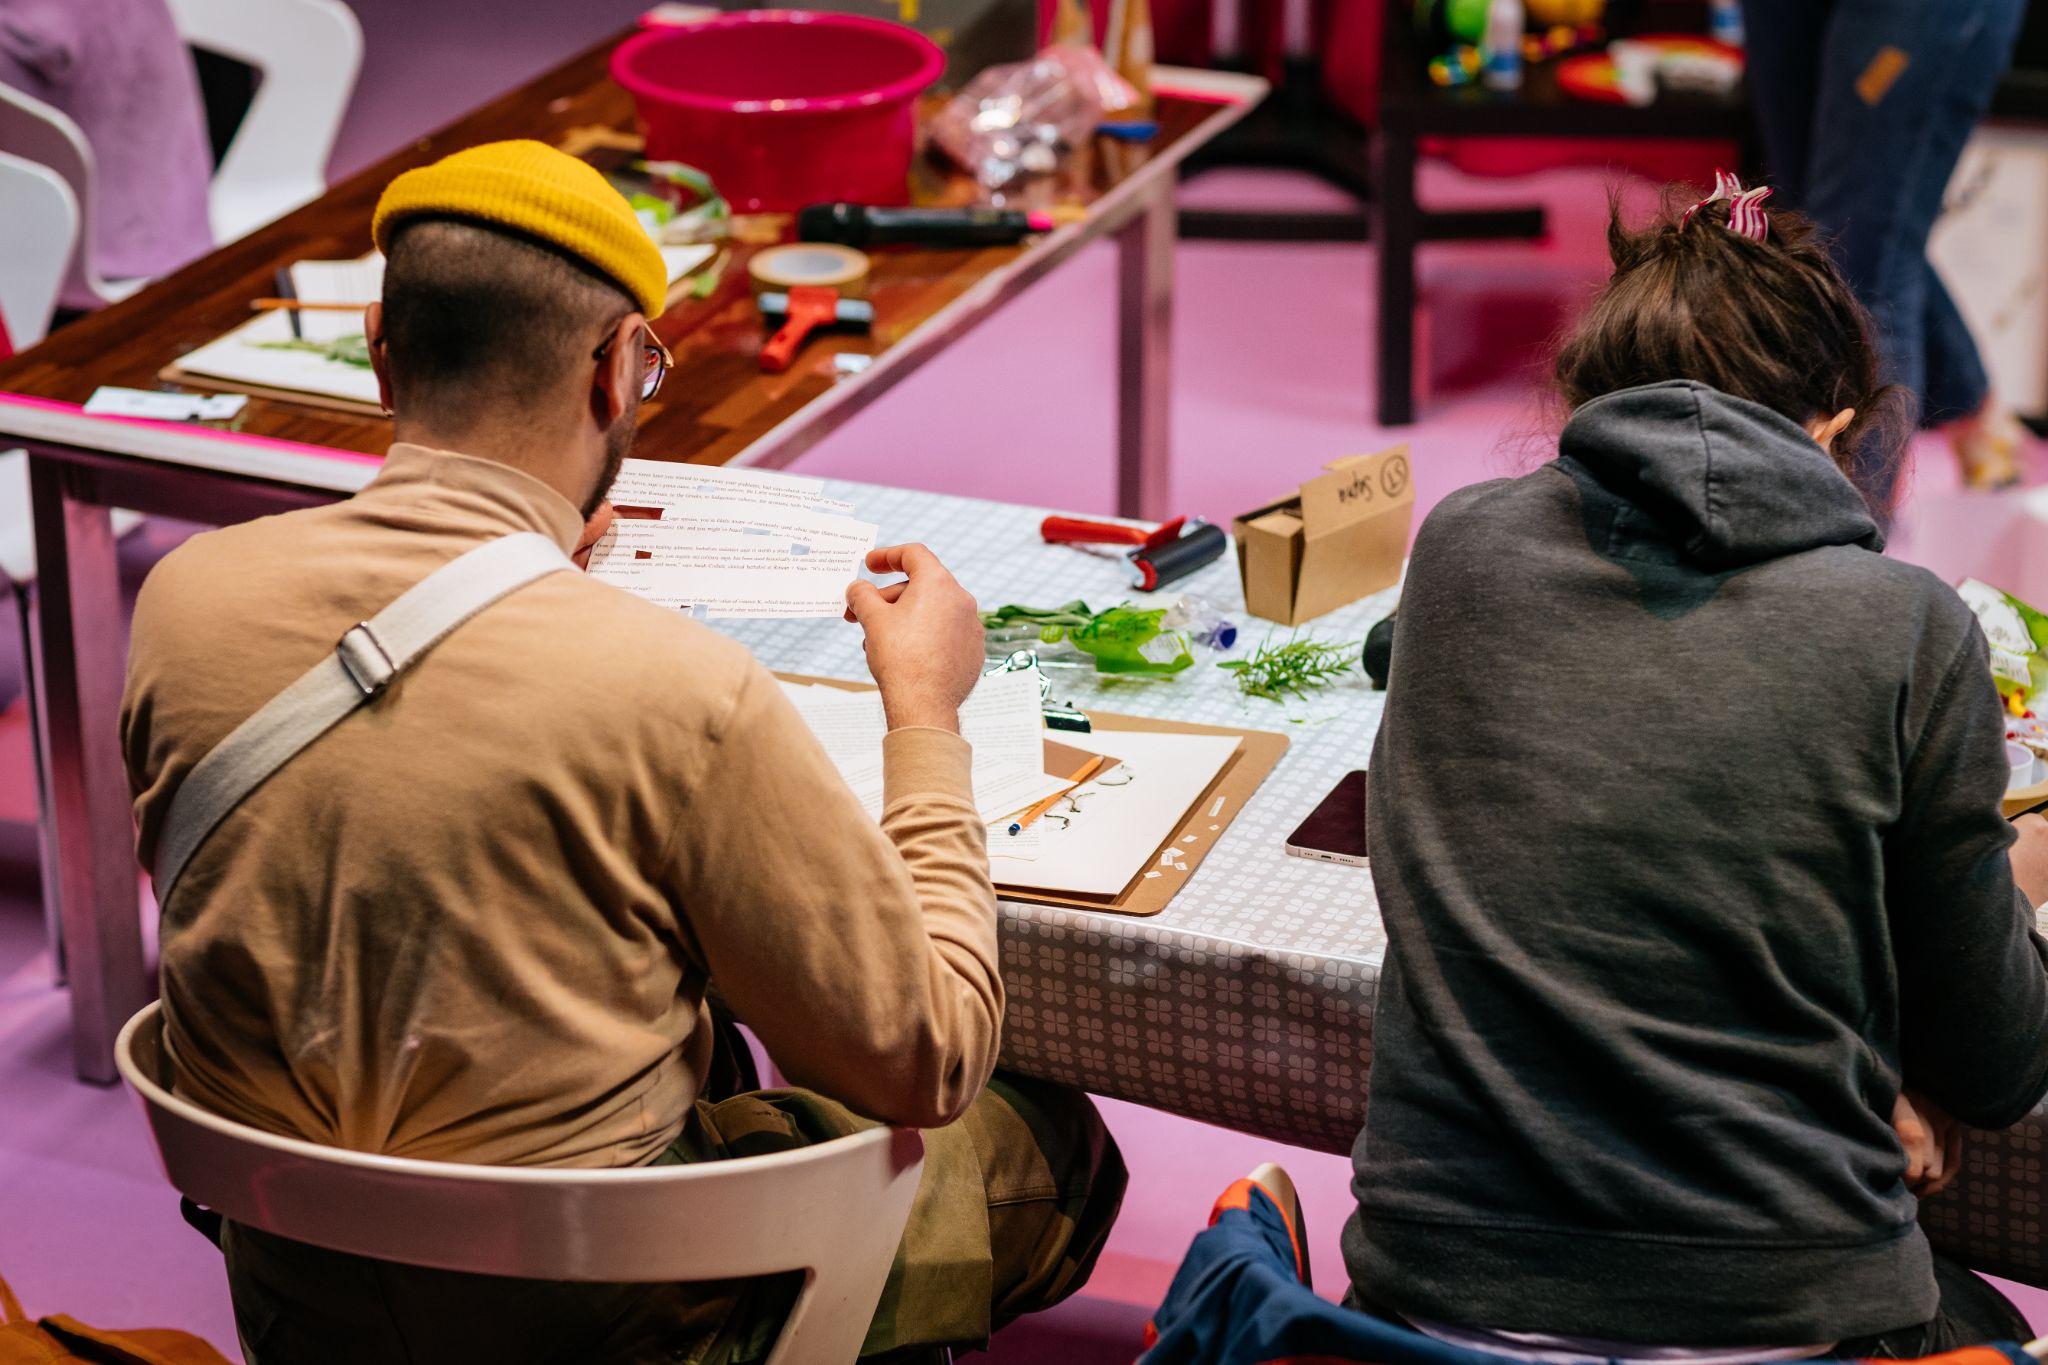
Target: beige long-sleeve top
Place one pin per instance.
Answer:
(475, 921)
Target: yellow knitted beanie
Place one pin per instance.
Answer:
(531, 187)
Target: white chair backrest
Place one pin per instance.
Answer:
(307, 54)
(835, 1211)
(42, 235)
(36, 131)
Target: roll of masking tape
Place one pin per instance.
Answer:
(826, 264)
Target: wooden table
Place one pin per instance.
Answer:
(719, 409)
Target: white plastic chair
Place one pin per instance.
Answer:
(835, 1211)
(306, 54)
(42, 234)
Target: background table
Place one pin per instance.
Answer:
(718, 409)
(727, 409)
(1412, 108)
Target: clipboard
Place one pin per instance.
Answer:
(1175, 860)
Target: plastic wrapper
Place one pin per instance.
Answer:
(1016, 120)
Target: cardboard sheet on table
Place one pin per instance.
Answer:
(239, 363)
(1258, 753)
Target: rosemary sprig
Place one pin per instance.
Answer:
(1296, 668)
(348, 350)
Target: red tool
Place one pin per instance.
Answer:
(1170, 550)
(803, 310)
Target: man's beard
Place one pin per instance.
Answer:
(617, 442)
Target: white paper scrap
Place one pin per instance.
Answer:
(110, 401)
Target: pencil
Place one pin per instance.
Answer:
(301, 306)
(1088, 770)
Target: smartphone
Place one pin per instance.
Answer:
(1335, 830)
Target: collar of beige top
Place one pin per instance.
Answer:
(531, 505)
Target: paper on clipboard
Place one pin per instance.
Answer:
(263, 355)
(1124, 818)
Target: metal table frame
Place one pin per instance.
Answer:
(81, 467)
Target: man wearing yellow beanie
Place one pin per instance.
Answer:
(476, 919)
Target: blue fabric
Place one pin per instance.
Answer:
(1870, 164)
(1236, 1301)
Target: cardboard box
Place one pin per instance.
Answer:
(1342, 536)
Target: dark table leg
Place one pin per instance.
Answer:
(1396, 225)
(1145, 357)
(80, 649)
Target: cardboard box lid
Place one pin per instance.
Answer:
(1356, 487)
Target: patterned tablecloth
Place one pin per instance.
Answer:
(1248, 1002)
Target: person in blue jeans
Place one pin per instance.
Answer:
(1864, 107)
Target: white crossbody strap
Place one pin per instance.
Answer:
(365, 661)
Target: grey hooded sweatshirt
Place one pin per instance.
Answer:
(1686, 832)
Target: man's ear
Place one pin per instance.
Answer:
(380, 356)
(616, 386)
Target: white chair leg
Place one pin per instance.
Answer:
(32, 695)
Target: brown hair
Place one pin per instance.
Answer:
(1773, 322)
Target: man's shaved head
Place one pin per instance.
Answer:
(482, 323)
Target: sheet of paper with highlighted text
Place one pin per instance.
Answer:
(730, 542)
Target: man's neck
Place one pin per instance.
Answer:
(529, 450)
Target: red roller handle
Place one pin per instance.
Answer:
(1075, 531)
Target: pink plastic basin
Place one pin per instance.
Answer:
(783, 108)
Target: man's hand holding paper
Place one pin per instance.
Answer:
(923, 637)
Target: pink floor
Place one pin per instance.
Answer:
(1272, 361)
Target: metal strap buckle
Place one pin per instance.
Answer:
(368, 664)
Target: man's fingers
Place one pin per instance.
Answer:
(913, 559)
(862, 597)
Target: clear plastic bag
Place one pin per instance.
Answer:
(1016, 120)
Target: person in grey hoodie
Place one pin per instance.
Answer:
(1702, 913)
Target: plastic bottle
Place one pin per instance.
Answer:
(1501, 52)
(1724, 22)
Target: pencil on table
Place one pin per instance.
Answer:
(301, 306)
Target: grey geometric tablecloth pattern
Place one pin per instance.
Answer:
(1248, 1001)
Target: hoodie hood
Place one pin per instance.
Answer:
(1725, 482)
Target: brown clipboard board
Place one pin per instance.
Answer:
(173, 374)
(1258, 753)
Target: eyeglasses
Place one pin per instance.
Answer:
(655, 361)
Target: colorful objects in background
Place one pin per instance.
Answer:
(2018, 638)
(1569, 13)
(782, 107)
(1632, 70)
(1500, 49)
(1459, 67)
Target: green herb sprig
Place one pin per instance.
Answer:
(347, 350)
(1299, 667)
